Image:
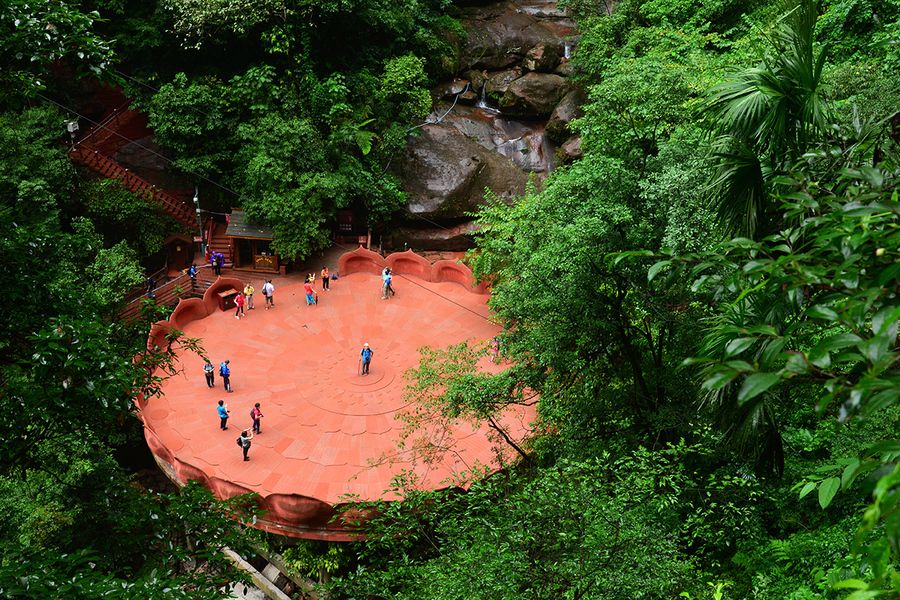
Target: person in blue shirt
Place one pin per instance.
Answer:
(223, 415)
(225, 372)
(193, 273)
(366, 354)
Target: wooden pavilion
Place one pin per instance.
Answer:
(252, 245)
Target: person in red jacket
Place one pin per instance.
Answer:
(239, 303)
(308, 288)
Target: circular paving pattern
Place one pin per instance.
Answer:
(328, 432)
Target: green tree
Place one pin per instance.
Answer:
(74, 524)
(815, 305)
(765, 118)
(595, 530)
(193, 119)
(580, 328)
(34, 35)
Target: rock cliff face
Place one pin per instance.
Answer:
(503, 119)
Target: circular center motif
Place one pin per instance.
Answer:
(351, 392)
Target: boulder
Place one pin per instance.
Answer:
(476, 79)
(444, 173)
(568, 109)
(448, 89)
(571, 149)
(495, 42)
(543, 58)
(565, 68)
(454, 239)
(498, 83)
(533, 95)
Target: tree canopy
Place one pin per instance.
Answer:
(703, 306)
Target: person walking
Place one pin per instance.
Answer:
(495, 350)
(269, 293)
(213, 259)
(248, 293)
(192, 271)
(256, 415)
(244, 442)
(220, 262)
(209, 370)
(325, 279)
(388, 280)
(384, 284)
(239, 304)
(225, 372)
(308, 288)
(366, 354)
(223, 415)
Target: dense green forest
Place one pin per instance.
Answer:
(706, 303)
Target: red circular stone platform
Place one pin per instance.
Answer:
(328, 433)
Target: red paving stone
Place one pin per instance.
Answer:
(327, 431)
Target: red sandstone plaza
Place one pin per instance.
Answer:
(328, 432)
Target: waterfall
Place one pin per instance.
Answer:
(482, 101)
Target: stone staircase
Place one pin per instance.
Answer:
(106, 167)
(96, 147)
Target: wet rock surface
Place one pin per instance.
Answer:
(497, 122)
(445, 173)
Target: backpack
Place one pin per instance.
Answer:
(240, 443)
(221, 372)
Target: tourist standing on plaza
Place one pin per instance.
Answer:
(388, 280)
(325, 278)
(223, 415)
(269, 293)
(366, 354)
(256, 415)
(239, 303)
(248, 292)
(308, 288)
(244, 442)
(225, 372)
(209, 370)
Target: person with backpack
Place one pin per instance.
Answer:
(388, 280)
(244, 442)
(256, 415)
(225, 373)
(223, 415)
(209, 371)
(269, 293)
(366, 354)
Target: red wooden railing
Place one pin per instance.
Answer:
(96, 161)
